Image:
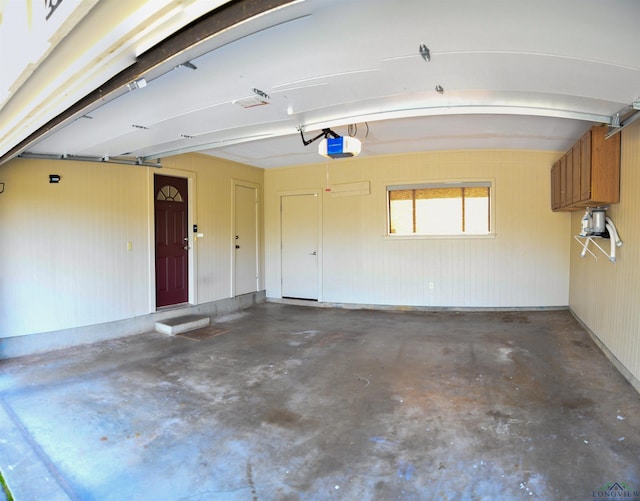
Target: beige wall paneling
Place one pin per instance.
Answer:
(80, 252)
(525, 264)
(603, 295)
(73, 253)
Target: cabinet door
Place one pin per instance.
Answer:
(585, 167)
(555, 186)
(605, 167)
(563, 181)
(569, 182)
(576, 171)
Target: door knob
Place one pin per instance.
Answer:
(314, 253)
(186, 247)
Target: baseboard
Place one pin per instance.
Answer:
(394, 307)
(634, 381)
(31, 344)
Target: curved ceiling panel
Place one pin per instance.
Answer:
(500, 74)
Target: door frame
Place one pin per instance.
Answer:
(318, 192)
(255, 186)
(191, 218)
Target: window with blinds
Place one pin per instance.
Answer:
(440, 209)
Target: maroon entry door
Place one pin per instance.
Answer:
(172, 245)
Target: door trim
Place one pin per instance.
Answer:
(191, 218)
(245, 184)
(318, 192)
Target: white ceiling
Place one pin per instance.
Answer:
(516, 74)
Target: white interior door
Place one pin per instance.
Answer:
(299, 233)
(246, 274)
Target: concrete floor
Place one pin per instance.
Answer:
(312, 403)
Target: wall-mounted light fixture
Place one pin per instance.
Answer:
(54, 178)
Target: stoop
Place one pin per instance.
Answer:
(178, 325)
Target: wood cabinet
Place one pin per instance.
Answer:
(576, 174)
(555, 186)
(588, 175)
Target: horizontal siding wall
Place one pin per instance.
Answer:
(64, 257)
(606, 296)
(525, 265)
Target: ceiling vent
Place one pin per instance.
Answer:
(259, 98)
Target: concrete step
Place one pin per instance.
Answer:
(178, 325)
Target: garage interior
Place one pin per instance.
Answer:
(339, 350)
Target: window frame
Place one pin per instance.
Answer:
(471, 183)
